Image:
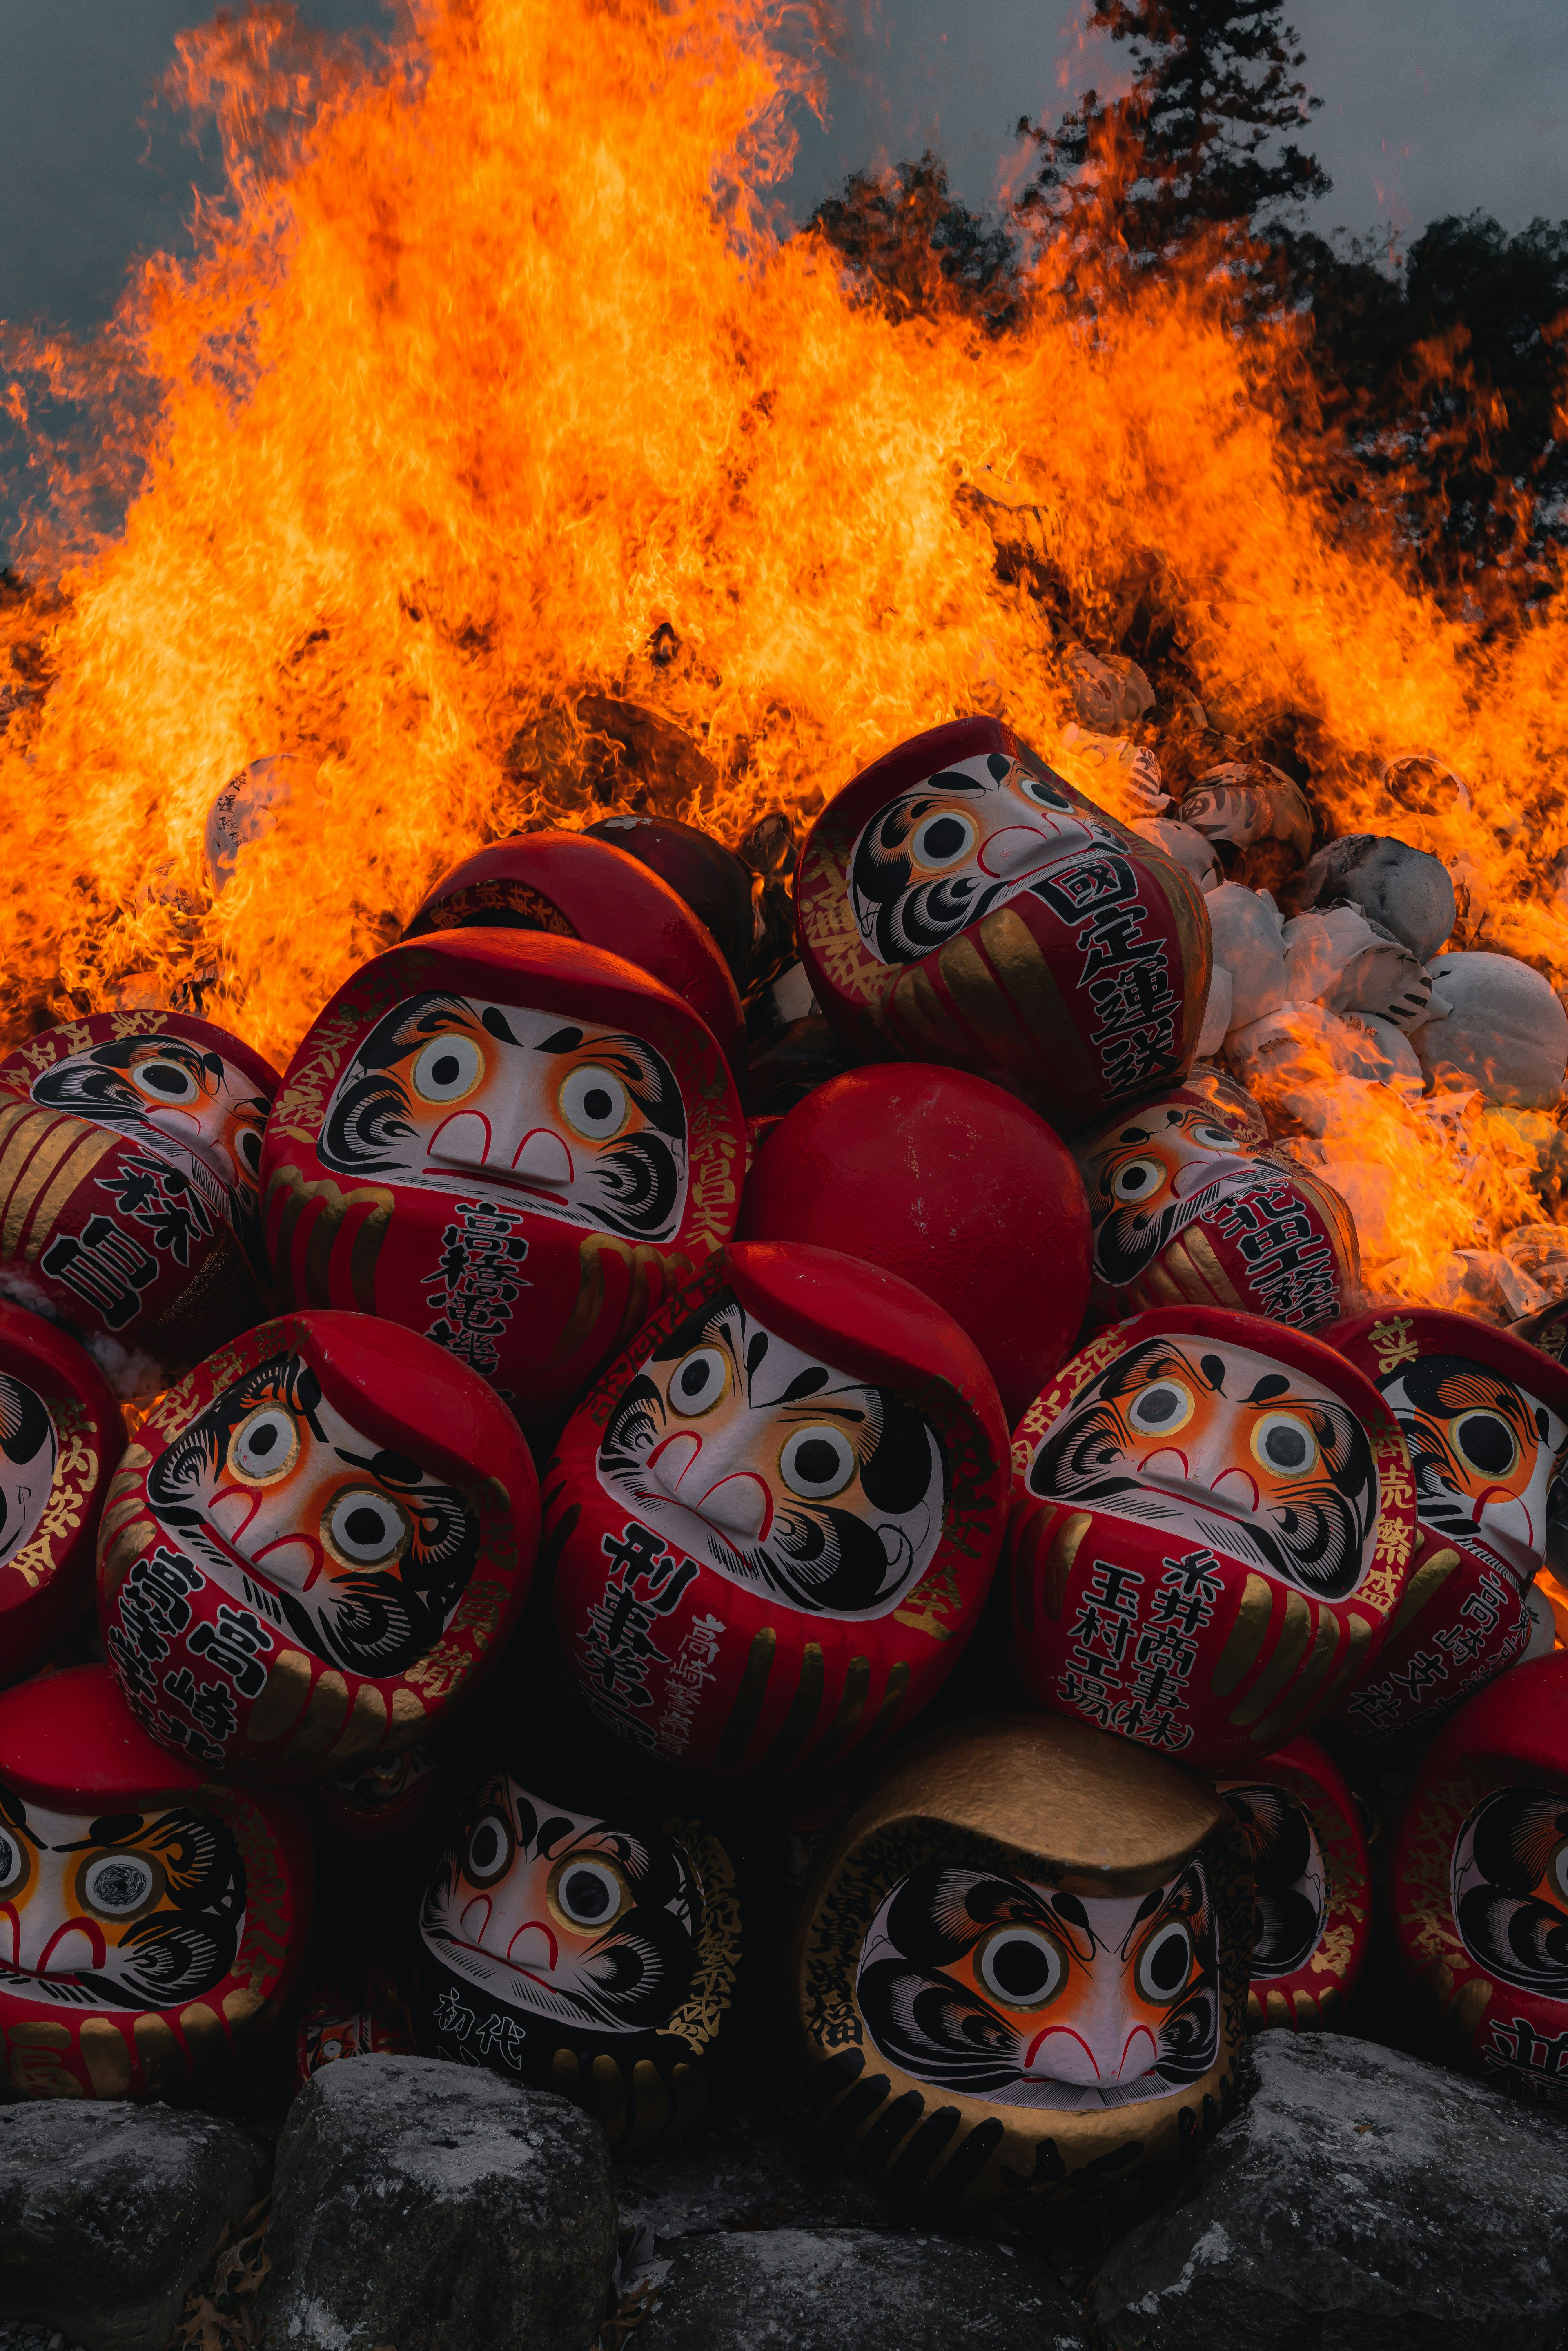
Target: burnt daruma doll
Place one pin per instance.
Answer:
(151, 1921)
(1212, 1529)
(61, 1436)
(1311, 1889)
(1479, 1882)
(1485, 1418)
(317, 1545)
(775, 1519)
(959, 902)
(511, 1144)
(1018, 1972)
(582, 1934)
(572, 887)
(1183, 1208)
(131, 1144)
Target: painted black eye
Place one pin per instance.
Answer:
(589, 1891)
(942, 839)
(1485, 1442)
(13, 1862)
(446, 1068)
(265, 1447)
(247, 1149)
(164, 1081)
(1165, 1963)
(1137, 1180)
(1162, 1408)
(1021, 1966)
(119, 1884)
(489, 1854)
(595, 1101)
(1047, 795)
(1284, 1443)
(364, 1527)
(816, 1462)
(699, 1380)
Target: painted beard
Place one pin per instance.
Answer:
(789, 1478)
(1510, 1889)
(1288, 1875)
(149, 1908)
(363, 1554)
(198, 1114)
(1159, 1174)
(1209, 1440)
(935, 860)
(27, 1453)
(578, 1124)
(989, 1986)
(585, 1922)
(1487, 1457)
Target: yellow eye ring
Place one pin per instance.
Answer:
(588, 1893)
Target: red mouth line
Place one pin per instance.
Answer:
(480, 1952)
(505, 1179)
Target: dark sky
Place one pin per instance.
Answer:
(1432, 106)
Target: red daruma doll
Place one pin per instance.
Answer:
(510, 1143)
(1213, 1528)
(959, 902)
(317, 1545)
(775, 1519)
(60, 1438)
(150, 1922)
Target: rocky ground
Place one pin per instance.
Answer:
(1359, 2200)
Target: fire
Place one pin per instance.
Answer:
(500, 455)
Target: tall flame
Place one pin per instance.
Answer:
(495, 413)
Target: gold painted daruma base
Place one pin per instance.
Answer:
(1068, 1808)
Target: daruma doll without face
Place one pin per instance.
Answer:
(151, 1920)
(959, 902)
(512, 1144)
(316, 1546)
(1019, 1974)
(1212, 1529)
(774, 1522)
(129, 1147)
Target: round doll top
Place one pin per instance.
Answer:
(70, 1740)
(1516, 1726)
(570, 887)
(1058, 1792)
(573, 1084)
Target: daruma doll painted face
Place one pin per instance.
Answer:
(1019, 1974)
(318, 1543)
(1311, 1889)
(1485, 1418)
(151, 1921)
(510, 1143)
(1479, 1883)
(580, 1938)
(61, 1436)
(1212, 1530)
(775, 1519)
(134, 1142)
(959, 902)
(1182, 1208)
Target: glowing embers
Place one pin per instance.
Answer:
(578, 1938)
(61, 1436)
(322, 1537)
(1311, 1878)
(149, 1923)
(508, 1142)
(1480, 1880)
(1183, 1208)
(958, 903)
(1213, 1529)
(132, 1143)
(1020, 1970)
(776, 1517)
(1485, 1418)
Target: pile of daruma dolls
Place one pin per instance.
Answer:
(958, 1525)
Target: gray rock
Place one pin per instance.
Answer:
(1362, 2200)
(1409, 891)
(854, 2290)
(107, 2214)
(757, 2167)
(426, 2204)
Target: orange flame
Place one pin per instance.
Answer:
(499, 455)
